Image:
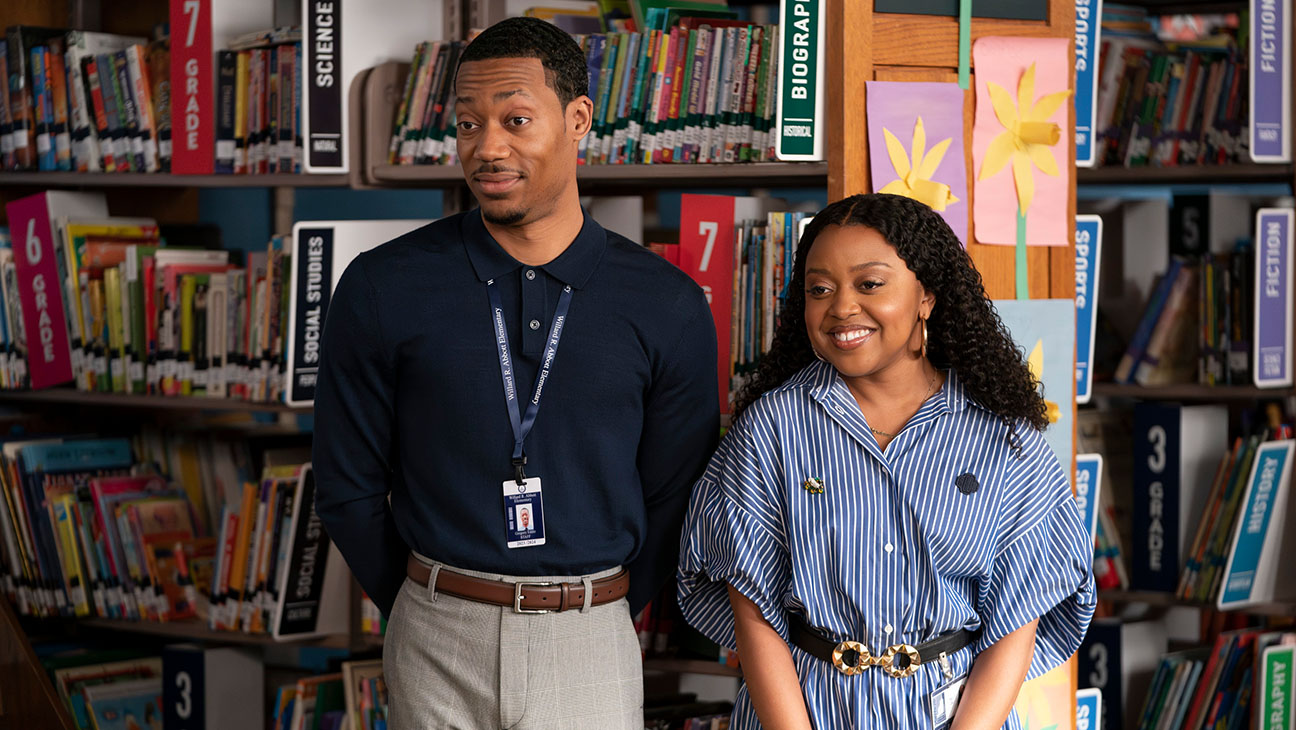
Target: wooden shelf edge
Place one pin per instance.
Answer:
(1185, 175)
(1154, 598)
(1189, 391)
(690, 666)
(744, 174)
(67, 396)
(198, 631)
(166, 180)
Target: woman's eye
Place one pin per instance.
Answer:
(817, 290)
(869, 284)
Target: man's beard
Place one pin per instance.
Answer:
(505, 218)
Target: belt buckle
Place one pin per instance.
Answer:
(887, 660)
(863, 659)
(517, 597)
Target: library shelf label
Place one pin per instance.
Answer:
(1256, 569)
(1088, 488)
(799, 128)
(324, 86)
(1270, 81)
(1088, 248)
(1088, 39)
(1273, 298)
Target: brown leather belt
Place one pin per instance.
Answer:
(522, 596)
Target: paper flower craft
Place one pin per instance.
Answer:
(1035, 363)
(914, 179)
(1028, 136)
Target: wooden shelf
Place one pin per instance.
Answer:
(165, 180)
(749, 174)
(198, 631)
(690, 666)
(1154, 598)
(1185, 175)
(70, 397)
(1189, 392)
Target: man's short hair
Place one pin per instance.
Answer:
(563, 61)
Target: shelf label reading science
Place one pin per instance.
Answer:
(314, 285)
(1273, 298)
(323, 102)
(194, 137)
(800, 137)
(1270, 81)
(1088, 30)
(1088, 238)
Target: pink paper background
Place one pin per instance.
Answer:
(897, 105)
(994, 210)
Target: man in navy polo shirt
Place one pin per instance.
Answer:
(512, 406)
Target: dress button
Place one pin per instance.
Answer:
(887, 629)
(840, 409)
(535, 324)
(530, 274)
(889, 547)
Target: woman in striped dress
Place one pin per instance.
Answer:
(883, 535)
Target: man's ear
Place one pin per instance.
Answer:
(580, 117)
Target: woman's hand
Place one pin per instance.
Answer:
(995, 681)
(767, 668)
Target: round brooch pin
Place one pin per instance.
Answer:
(813, 485)
(967, 483)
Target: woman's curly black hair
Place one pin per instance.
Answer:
(963, 332)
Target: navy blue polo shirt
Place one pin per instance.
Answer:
(410, 404)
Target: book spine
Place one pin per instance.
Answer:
(58, 91)
(159, 70)
(128, 111)
(43, 108)
(226, 106)
(142, 89)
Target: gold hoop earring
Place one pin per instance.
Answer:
(924, 342)
(816, 352)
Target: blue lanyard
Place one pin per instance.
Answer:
(522, 423)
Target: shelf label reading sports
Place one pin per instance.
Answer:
(1088, 487)
(1088, 248)
(1273, 298)
(1088, 29)
(1270, 81)
(800, 135)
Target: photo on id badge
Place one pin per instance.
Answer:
(524, 513)
(944, 701)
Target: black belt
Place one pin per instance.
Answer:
(853, 657)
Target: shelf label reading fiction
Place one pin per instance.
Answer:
(1270, 70)
(1088, 248)
(1088, 39)
(1273, 298)
(799, 134)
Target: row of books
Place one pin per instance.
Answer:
(354, 698)
(85, 101)
(1171, 104)
(1221, 686)
(372, 622)
(132, 314)
(102, 689)
(101, 102)
(1198, 323)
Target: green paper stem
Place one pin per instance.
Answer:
(1023, 281)
(965, 43)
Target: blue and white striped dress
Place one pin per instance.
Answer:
(892, 551)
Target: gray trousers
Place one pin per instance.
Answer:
(453, 664)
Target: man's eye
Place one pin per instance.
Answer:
(519, 121)
(467, 126)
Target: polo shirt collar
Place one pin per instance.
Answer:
(574, 266)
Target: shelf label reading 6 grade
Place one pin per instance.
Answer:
(799, 134)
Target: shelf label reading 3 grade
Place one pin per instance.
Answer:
(800, 135)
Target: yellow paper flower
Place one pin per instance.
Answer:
(915, 176)
(1035, 363)
(1027, 136)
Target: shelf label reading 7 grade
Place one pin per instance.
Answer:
(799, 131)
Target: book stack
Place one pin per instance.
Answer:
(366, 694)
(259, 103)
(1183, 102)
(89, 102)
(131, 314)
(691, 89)
(93, 682)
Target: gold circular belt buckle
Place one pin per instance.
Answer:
(848, 650)
(888, 662)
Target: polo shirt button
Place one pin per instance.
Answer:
(535, 324)
(530, 274)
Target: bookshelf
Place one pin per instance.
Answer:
(746, 175)
(165, 180)
(1190, 392)
(1166, 600)
(1185, 175)
(70, 397)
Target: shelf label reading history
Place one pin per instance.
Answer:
(1088, 39)
(799, 133)
(1272, 350)
(1088, 248)
(1270, 81)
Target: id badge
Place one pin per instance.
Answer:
(944, 702)
(524, 513)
